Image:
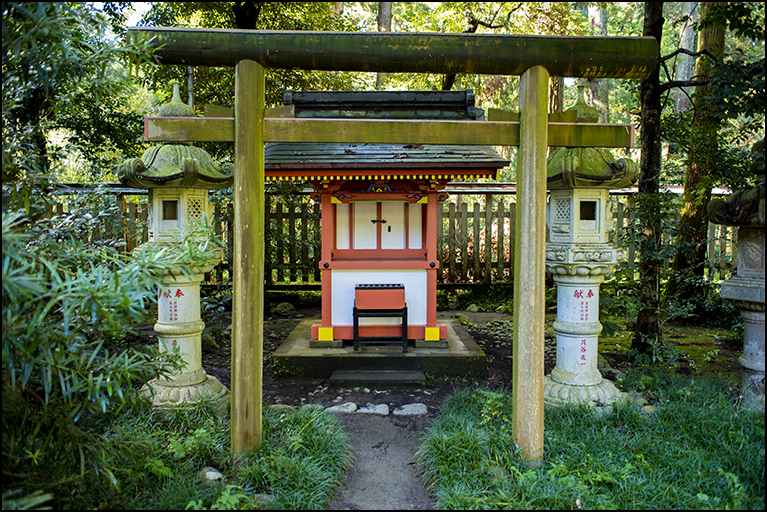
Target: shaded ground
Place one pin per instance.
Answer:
(704, 353)
(492, 331)
(384, 474)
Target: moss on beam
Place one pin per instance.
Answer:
(212, 129)
(488, 54)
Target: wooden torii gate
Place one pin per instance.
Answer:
(535, 58)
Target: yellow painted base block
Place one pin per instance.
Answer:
(431, 334)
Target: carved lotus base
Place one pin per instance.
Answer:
(601, 395)
(169, 397)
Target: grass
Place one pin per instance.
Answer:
(694, 452)
(298, 465)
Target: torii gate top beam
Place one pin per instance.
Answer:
(487, 54)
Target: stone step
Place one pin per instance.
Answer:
(378, 376)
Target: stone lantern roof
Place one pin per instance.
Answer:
(588, 167)
(175, 165)
(745, 207)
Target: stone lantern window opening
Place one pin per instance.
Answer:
(589, 212)
(178, 211)
(169, 211)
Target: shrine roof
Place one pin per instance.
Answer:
(307, 161)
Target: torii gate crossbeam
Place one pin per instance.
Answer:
(533, 57)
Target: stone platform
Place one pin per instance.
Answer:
(462, 358)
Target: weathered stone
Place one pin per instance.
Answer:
(463, 319)
(416, 409)
(347, 407)
(283, 407)
(211, 474)
(370, 408)
(284, 308)
(472, 308)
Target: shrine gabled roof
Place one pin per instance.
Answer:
(311, 161)
(281, 155)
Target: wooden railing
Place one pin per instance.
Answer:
(476, 243)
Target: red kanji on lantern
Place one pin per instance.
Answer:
(590, 294)
(179, 293)
(166, 294)
(578, 294)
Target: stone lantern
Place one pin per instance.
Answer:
(745, 210)
(178, 177)
(579, 256)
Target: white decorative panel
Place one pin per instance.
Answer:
(393, 231)
(342, 226)
(344, 281)
(364, 229)
(415, 235)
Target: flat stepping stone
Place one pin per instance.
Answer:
(378, 376)
(347, 407)
(380, 409)
(417, 409)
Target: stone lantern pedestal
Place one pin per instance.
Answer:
(178, 177)
(744, 209)
(579, 256)
(179, 327)
(578, 272)
(746, 292)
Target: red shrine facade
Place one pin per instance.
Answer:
(379, 205)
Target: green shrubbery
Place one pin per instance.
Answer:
(298, 464)
(68, 306)
(696, 451)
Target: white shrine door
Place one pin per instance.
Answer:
(379, 225)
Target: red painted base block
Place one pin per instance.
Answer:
(379, 296)
(345, 332)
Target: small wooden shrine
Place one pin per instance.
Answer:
(379, 205)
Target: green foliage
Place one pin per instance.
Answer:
(67, 308)
(301, 459)
(696, 451)
(486, 297)
(61, 71)
(216, 85)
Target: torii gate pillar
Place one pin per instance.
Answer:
(530, 265)
(248, 249)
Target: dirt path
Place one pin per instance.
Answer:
(384, 476)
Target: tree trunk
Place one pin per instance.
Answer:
(246, 14)
(684, 63)
(384, 25)
(647, 327)
(600, 87)
(686, 283)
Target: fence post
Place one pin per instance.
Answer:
(279, 259)
(441, 243)
(292, 241)
(711, 249)
(476, 243)
(464, 207)
(451, 245)
(488, 236)
(512, 238)
(500, 235)
(131, 227)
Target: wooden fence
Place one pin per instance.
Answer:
(476, 243)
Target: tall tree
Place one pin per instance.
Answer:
(600, 87)
(684, 63)
(687, 280)
(384, 25)
(61, 70)
(650, 212)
